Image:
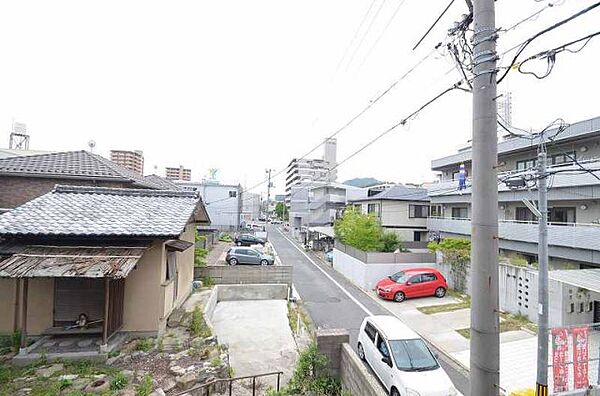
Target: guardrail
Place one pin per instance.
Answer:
(230, 382)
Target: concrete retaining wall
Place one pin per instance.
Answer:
(252, 292)
(366, 275)
(239, 274)
(355, 377)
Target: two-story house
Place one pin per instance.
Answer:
(573, 196)
(400, 209)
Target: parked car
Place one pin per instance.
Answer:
(414, 282)
(248, 240)
(401, 359)
(244, 255)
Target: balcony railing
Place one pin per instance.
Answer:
(572, 235)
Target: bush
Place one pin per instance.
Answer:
(225, 238)
(198, 326)
(390, 242)
(145, 386)
(118, 382)
(457, 253)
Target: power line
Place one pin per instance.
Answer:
(365, 34)
(433, 25)
(362, 22)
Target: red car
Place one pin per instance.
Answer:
(414, 282)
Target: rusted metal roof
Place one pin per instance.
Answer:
(38, 261)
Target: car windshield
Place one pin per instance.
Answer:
(413, 355)
(399, 277)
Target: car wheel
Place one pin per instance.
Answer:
(361, 352)
(264, 262)
(233, 261)
(440, 292)
(399, 297)
(394, 392)
(238, 243)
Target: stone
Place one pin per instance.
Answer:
(168, 384)
(129, 374)
(175, 317)
(49, 344)
(24, 391)
(212, 340)
(98, 386)
(66, 343)
(127, 392)
(127, 359)
(186, 381)
(112, 360)
(80, 383)
(98, 376)
(158, 392)
(85, 343)
(179, 355)
(197, 342)
(177, 370)
(140, 374)
(49, 371)
(68, 377)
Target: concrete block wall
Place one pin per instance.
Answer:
(252, 292)
(329, 343)
(237, 274)
(355, 376)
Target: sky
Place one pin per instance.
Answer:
(243, 86)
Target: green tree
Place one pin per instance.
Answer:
(281, 211)
(457, 253)
(359, 230)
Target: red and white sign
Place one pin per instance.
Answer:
(560, 355)
(580, 357)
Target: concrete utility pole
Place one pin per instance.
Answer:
(268, 171)
(485, 339)
(541, 388)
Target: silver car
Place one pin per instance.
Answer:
(246, 255)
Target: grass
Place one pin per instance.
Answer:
(145, 387)
(508, 322)
(198, 326)
(144, 344)
(208, 281)
(118, 382)
(464, 302)
(216, 361)
(295, 310)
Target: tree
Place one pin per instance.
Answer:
(457, 253)
(281, 211)
(390, 242)
(359, 230)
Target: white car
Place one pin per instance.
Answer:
(401, 359)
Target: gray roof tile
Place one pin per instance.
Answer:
(88, 211)
(399, 192)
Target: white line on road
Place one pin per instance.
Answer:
(346, 292)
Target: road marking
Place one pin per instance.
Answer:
(346, 292)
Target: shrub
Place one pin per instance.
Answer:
(145, 386)
(390, 242)
(144, 344)
(118, 382)
(208, 281)
(198, 326)
(225, 238)
(457, 253)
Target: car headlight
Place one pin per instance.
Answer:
(412, 392)
(452, 391)
(387, 290)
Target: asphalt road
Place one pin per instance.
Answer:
(333, 302)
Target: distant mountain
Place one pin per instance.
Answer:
(362, 182)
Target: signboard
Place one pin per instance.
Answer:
(560, 352)
(580, 357)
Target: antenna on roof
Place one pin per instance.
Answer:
(19, 139)
(92, 144)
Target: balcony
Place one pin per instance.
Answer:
(570, 235)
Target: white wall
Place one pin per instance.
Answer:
(366, 275)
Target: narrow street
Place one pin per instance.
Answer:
(333, 302)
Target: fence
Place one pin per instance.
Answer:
(385, 258)
(574, 357)
(238, 274)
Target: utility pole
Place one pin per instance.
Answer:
(268, 171)
(485, 339)
(541, 388)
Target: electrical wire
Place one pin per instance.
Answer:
(433, 25)
(362, 22)
(366, 33)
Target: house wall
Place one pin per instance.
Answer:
(141, 310)
(7, 308)
(394, 216)
(185, 265)
(17, 190)
(40, 305)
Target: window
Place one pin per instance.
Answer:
(561, 216)
(171, 265)
(373, 208)
(526, 164)
(524, 214)
(428, 277)
(413, 355)
(370, 331)
(562, 158)
(232, 194)
(435, 211)
(459, 213)
(415, 279)
(382, 346)
(571, 308)
(418, 211)
(580, 307)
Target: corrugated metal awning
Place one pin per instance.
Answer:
(588, 279)
(71, 261)
(325, 230)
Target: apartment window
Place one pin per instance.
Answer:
(418, 211)
(524, 214)
(562, 215)
(565, 158)
(526, 164)
(232, 194)
(460, 213)
(435, 211)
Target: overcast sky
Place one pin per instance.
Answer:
(246, 85)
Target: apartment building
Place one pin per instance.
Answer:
(132, 160)
(180, 173)
(224, 202)
(315, 171)
(573, 197)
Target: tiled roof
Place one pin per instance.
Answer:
(70, 164)
(101, 211)
(399, 192)
(162, 182)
